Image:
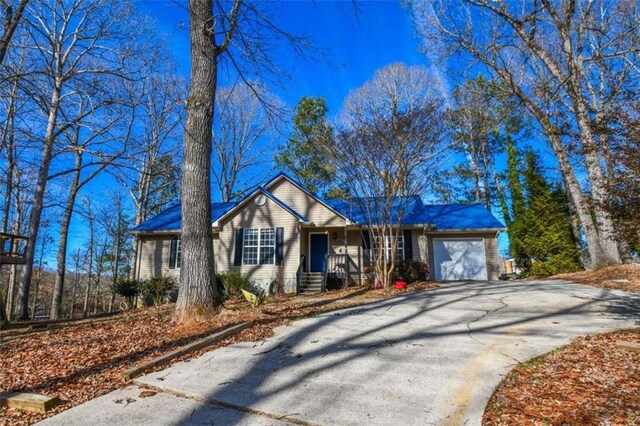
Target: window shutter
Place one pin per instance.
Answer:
(279, 245)
(239, 240)
(408, 246)
(173, 252)
(366, 244)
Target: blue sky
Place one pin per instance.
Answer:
(380, 33)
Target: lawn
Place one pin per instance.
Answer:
(83, 361)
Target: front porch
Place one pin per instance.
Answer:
(330, 258)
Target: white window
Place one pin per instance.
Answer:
(259, 246)
(388, 246)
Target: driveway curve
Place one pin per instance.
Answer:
(432, 357)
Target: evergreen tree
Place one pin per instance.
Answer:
(299, 155)
(516, 222)
(549, 241)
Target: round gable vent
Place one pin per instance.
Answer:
(260, 200)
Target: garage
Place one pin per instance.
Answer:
(459, 259)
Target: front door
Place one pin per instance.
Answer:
(318, 249)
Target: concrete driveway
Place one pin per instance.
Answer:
(433, 357)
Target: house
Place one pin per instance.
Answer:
(281, 229)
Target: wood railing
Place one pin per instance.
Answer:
(13, 249)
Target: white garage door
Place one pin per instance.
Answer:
(459, 259)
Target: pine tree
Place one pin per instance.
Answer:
(299, 155)
(548, 241)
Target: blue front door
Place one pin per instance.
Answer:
(318, 247)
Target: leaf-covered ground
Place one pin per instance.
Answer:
(589, 382)
(83, 361)
(622, 277)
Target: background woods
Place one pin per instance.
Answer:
(531, 111)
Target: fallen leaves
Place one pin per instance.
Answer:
(83, 361)
(622, 277)
(589, 382)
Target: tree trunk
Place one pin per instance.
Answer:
(592, 236)
(85, 309)
(34, 305)
(597, 179)
(198, 294)
(116, 268)
(61, 258)
(99, 271)
(11, 291)
(10, 26)
(38, 205)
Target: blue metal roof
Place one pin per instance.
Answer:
(171, 218)
(440, 216)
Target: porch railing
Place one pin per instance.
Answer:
(299, 273)
(12, 249)
(338, 267)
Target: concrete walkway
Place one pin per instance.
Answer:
(433, 357)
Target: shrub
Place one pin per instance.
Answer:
(369, 275)
(233, 282)
(555, 265)
(411, 271)
(129, 289)
(157, 289)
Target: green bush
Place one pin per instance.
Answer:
(411, 271)
(157, 289)
(129, 289)
(233, 282)
(555, 265)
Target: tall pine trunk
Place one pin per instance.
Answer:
(198, 295)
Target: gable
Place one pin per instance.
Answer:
(305, 204)
(249, 214)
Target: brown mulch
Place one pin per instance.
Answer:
(621, 277)
(83, 361)
(589, 382)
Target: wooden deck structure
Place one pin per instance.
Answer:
(12, 249)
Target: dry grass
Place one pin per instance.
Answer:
(589, 382)
(622, 277)
(83, 361)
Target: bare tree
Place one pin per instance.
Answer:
(80, 43)
(151, 175)
(392, 132)
(11, 17)
(95, 143)
(198, 293)
(540, 51)
(242, 36)
(244, 133)
(480, 122)
(44, 242)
